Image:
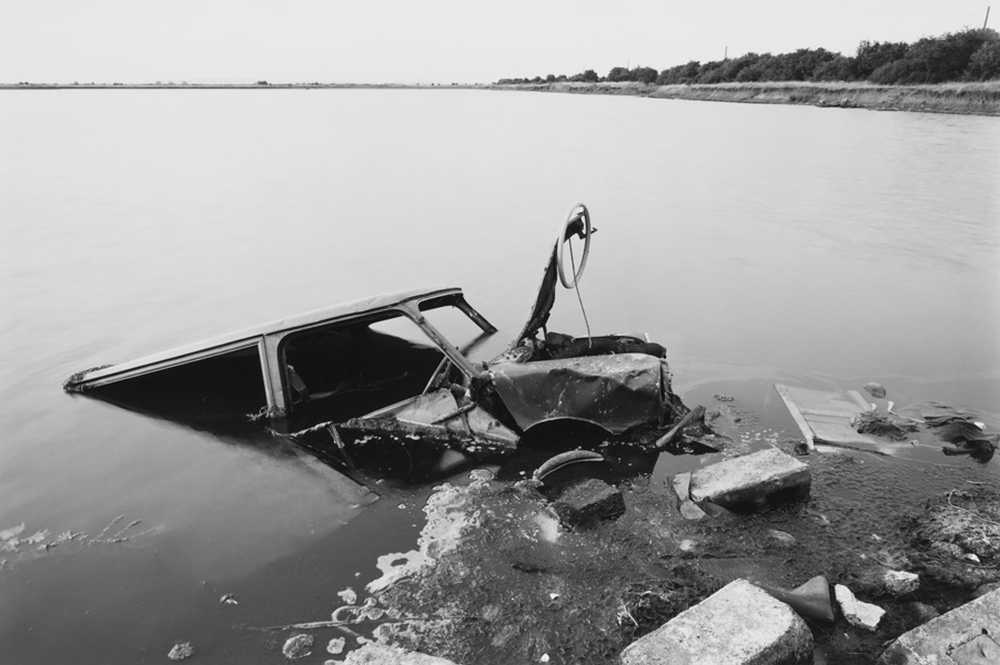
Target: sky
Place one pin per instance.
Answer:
(441, 41)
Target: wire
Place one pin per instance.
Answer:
(576, 287)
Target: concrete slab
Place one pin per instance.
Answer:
(967, 635)
(751, 479)
(682, 487)
(589, 502)
(738, 625)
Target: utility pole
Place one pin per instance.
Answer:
(986, 20)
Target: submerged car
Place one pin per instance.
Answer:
(387, 364)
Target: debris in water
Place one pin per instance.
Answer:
(857, 612)
(229, 599)
(348, 595)
(876, 390)
(13, 531)
(181, 651)
(298, 646)
(336, 646)
(723, 397)
(589, 502)
(883, 424)
(900, 582)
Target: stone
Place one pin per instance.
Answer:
(738, 625)
(967, 635)
(857, 612)
(781, 538)
(336, 646)
(900, 582)
(181, 651)
(379, 654)
(682, 488)
(588, 502)
(751, 480)
(876, 390)
(297, 646)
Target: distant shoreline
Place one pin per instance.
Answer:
(973, 98)
(235, 86)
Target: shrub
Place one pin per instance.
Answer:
(985, 62)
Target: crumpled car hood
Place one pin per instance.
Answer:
(616, 392)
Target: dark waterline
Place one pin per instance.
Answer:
(757, 243)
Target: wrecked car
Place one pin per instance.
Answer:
(385, 364)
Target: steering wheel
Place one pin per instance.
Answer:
(578, 224)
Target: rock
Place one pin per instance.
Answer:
(588, 502)
(900, 582)
(297, 646)
(181, 651)
(858, 613)
(751, 479)
(348, 595)
(781, 538)
(876, 390)
(336, 646)
(378, 654)
(682, 487)
(739, 624)
(964, 636)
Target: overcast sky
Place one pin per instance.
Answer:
(430, 40)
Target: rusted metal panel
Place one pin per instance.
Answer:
(615, 392)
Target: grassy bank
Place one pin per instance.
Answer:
(972, 98)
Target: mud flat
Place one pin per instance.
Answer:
(972, 98)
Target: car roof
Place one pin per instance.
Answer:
(248, 337)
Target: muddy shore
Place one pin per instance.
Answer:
(977, 98)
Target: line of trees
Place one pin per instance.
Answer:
(968, 55)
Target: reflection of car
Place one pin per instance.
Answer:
(385, 363)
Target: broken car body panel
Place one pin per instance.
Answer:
(615, 392)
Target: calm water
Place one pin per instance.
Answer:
(756, 242)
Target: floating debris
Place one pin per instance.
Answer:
(229, 599)
(348, 595)
(13, 531)
(181, 651)
(298, 646)
(336, 646)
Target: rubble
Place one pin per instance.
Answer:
(739, 624)
(380, 654)
(751, 480)
(858, 613)
(682, 487)
(297, 646)
(589, 502)
(967, 635)
(181, 651)
(900, 582)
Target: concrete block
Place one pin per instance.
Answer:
(857, 612)
(588, 502)
(967, 635)
(738, 625)
(751, 480)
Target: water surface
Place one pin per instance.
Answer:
(758, 243)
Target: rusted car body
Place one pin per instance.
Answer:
(348, 366)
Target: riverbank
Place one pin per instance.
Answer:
(973, 98)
